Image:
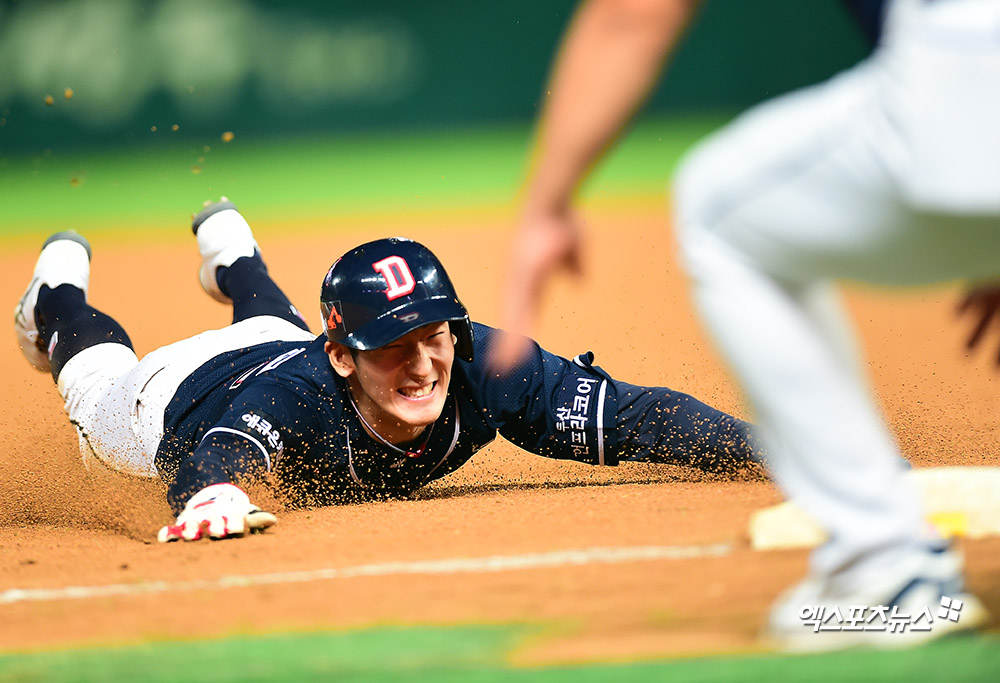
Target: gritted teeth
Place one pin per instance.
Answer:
(418, 392)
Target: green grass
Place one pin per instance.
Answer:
(299, 657)
(474, 654)
(159, 185)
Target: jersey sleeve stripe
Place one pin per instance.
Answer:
(227, 430)
(600, 421)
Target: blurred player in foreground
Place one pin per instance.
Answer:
(393, 394)
(888, 173)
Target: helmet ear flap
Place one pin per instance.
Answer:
(462, 329)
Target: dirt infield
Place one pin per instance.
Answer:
(61, 527)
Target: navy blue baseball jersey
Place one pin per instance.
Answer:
(280, 410)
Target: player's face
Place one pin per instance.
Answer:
(401, 387)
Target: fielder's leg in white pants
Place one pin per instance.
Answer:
(851, 179)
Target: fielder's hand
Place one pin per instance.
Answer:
(984, 304)
(545, 243)
(218, 511)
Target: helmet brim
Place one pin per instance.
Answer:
(400, 321)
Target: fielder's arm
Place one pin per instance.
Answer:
(982, 302)
(610, 58)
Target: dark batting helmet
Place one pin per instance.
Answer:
(376, 293)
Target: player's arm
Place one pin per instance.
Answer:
(205, 490)
(553, 406)
(609, 60)
(571, 409)
(658, 424)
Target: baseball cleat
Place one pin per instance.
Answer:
(893, 611)
(64, 260)
(223, 237)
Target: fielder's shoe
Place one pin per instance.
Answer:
(223, 236)
(65, 259)
(911, 606)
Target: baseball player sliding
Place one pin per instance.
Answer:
(392, 395)
(887, 173)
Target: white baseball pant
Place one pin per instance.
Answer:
(116, 401)
(888, 173)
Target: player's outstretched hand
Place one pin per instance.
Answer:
(217, 511)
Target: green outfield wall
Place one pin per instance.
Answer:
(100, 72)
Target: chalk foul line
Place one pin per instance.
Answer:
(459, 565)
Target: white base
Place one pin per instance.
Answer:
(959, 501)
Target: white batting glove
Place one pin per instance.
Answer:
(218, 511)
